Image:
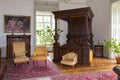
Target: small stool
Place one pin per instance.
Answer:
(116, 69)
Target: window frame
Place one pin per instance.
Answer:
(51, 23)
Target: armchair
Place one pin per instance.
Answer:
(40, 53)
(69, 59)
(19, 52)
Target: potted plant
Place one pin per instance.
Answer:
(114, 46)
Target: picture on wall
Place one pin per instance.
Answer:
(16, 24)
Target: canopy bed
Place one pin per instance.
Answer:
(79, 36)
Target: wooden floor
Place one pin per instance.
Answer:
(97, 65)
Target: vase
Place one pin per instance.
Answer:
(117, 60)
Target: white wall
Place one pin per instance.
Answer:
(15, 7)
(101, 19)
(46, 6)
(64, 6)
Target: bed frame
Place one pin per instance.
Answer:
(79, 37)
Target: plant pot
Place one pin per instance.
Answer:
(117, 60)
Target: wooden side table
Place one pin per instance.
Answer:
(98, 51)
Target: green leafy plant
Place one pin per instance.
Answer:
(47, 35)
(113, 45)
(59, 31)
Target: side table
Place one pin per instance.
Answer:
(98, 49)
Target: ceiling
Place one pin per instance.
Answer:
(116, 4)
(64, 1)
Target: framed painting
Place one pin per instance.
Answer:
(16, 24)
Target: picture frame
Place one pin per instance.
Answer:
(16, 24)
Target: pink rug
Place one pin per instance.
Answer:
(24, 70)
(107, 75)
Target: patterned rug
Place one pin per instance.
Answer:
(24, 70)
(107, 75)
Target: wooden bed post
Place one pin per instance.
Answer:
(86, 44)
(56, 44)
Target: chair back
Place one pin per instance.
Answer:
(19, 48)
(71, 55)
(40, 51)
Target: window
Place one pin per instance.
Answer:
(115, 23)
(44, 24)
